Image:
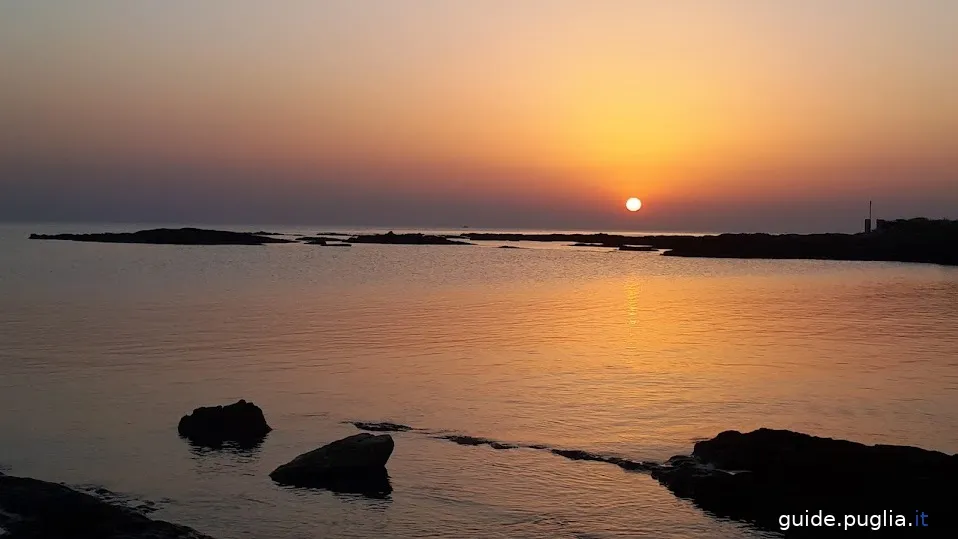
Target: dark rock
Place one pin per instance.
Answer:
(33, 509)
(405, 239)
(354, 464)
(644, 248)
(242, 423)
(381, 427)
(761, 475)
(169, 236)
(510, 247)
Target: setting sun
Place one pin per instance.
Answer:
(633, 204)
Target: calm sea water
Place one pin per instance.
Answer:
(103, 347)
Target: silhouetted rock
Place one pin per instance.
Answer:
(636, 248)
(761, 475)
(169, 236)
(241, 422)
(264, 233)
(354, 464)
(33, 509)
(510, 247)
(405, 239)
(584, 244)
(381, 427)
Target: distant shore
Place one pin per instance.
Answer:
(908, 240)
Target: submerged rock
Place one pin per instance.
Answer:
(33, 509)
(241, 422)
(354, 464)
(761, 475)
(380, 427)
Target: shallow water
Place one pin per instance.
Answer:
(105, 346)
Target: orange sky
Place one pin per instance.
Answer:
(684, 104)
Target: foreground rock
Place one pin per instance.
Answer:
(170, 236)
(762, 475)
(242, 423)
(354, 464)
(406, 239)
(32, 509)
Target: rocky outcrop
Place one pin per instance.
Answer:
(242, 423)
(761, 475)
(33, 509)
(169, 236)
(354, 464)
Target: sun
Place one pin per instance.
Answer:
(633, 204)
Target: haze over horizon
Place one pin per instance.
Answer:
(733, 116)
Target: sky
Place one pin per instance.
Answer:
(726, 115)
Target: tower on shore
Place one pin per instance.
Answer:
(868, 222)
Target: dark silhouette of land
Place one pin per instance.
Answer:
(406, 239)
(170, 236)
(905, 240)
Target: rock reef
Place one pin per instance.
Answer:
(242, 423)
(33, 509)
(169, 236)
(354, 464)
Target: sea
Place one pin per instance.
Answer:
(103, 347)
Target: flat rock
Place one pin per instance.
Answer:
(33, 509)
(241, 422)
(354, 464)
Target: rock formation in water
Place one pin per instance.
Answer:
(354, 464)
(169, 236)
(761, 475)
(242, 423)
(33, 509)
(406, 239)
